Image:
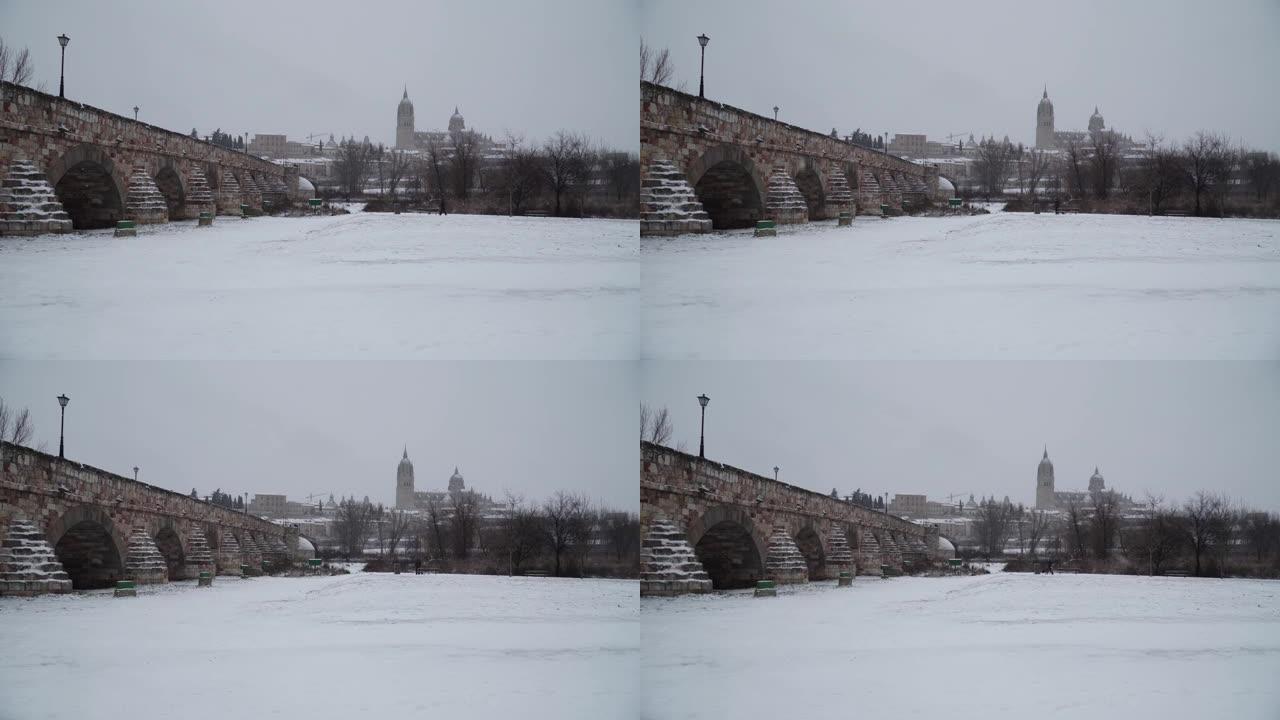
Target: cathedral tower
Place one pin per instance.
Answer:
(405, 497)
(1045, 499)
(404, 123)
(1044, 122)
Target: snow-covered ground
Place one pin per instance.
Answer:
(992, 647)
(367, 285)
(355, 646)
(1013, 286)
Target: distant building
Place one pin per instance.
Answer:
(1048, 137)
(408, 497)
(408, 137)
(267, 505)
(1048, 497)
(268, 146)
(911, 505)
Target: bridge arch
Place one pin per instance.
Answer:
(729, 546)
(729, 186)
(89, 545)
(91, 188)
(809, 540)
(172, 186)
(169, 543)
(812, 185)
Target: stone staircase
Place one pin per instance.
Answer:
(251, 551)
(199, 556)
(839, 556)
(839, 196)
(668, 564)
(870, 555)
(668, 205)
(252, 191)
(785, 563)
(28, 565)
(28, 204)
(145, 203)
(199, 196)
(784, 203)
(870, 194)
(229, 554)
(145, 564)
(229, 197)
(275, 552)
(892, 553)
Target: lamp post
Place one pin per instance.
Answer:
(135, 473)
(62, 431)
(62, 75)
(775, 473)
(775, 113)
(702, 434)
(702, 69)
(135, 113)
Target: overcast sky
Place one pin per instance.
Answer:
(340, 67)
(340, 427)
(979, 67)
(980, 427)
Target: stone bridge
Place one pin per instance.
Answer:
(69, 526)
(706, 165)
(709, 526)
(65, 165)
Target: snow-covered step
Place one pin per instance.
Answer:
(784, 203)
(785, 562)
(28, 203)
(838, 552)
(28, 565)
(838, 192)
(198, 192)
(145, 564)
(229, 554)
(668, 564)
(668, 205)
(145, 203)
(229, 196)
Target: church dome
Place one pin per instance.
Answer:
(405, 109)
(456, 123)
(405, 462)
(1095, 120)
(455, 481)
(1045, 462)
(1045, 102)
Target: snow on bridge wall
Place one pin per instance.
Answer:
(88, 156)
(744, 527)
(732, 158)
(99, 523)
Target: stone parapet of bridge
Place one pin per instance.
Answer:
(102, 527)
(735, 167)
(733, 527)
(96, 168)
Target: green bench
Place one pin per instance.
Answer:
(126, 228)
(766, 228)
(766, 588)
(126, 588)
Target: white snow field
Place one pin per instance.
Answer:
(1013, 286)
(366, 285)
(364, 645)
(999, 646)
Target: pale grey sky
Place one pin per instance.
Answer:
(980, 66)
(980, 427)
(340, 67)
(320, 427)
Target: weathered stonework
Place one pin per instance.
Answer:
(199, 195)
(668, 565)
(199, 556)
(145, 564)
(785, 204)
(732, 520)
(28, 205)
(87, 155)
(230, 197)
(668, 206)
(727, 156)
(28, 565)
(96, 521)
(145, 204)
(230, 557)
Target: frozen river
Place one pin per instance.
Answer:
(390, 646)
(1013, 286)
(366, 285)
(993, 647)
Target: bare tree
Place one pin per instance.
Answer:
(1262, 532)
(1076, 528)
(622, 531)
(1037, 525)
(1103, 522)
(565, 162)
(655, 425)
(655, 66)
(438, 170)
(1104, 162)
(1263, 172)
(465, 161)
(991, 526)
(1038, 162)
(520, 533)
(565, 524)
(991, 165)
(466, 516)
(436, 527)
(352, 165)
(397, 167)
(1073, 159)
(521, 175)
(15, 65)
(351, 526)
(1203, 514)
(623, 171)
(1206, 163)
(1159, 174)
(15, 425)
(397, 528)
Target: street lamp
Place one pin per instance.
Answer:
(135, 473)
(775, 473)
(62, 77)
(135, 113)
(702, 70)
(62, 431)
(775, 113)
(702, 434)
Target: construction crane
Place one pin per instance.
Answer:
(313, 136)
(953, 136)
(313, 496)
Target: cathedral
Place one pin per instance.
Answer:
(408, 138)
(1048, 138)
(1050, 498)
(409, 498)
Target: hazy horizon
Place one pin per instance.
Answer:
(980, 427)
(981, 67)
(266, 68)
